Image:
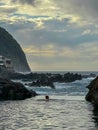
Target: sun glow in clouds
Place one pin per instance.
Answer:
(55, 35)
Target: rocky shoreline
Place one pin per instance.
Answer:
(10, 90)
(46, 79)
(49, 79)
(92, 95)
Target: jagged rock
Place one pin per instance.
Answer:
(68, 77)
(89, 75)
(10, 90)
(40, 83)
(11, 49)
(92, 95)
(45, 79)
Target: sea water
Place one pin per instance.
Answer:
(67, 109)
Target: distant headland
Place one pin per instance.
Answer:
(10, 48)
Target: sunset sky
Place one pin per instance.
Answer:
(60, 35)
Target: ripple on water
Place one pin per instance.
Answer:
(60, 113)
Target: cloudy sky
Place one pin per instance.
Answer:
(54, 34)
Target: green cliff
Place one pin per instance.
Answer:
(11, 49)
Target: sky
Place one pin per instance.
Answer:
(56, 35)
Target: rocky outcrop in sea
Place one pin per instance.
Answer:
(46, 79)
(10, 90)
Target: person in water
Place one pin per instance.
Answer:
(47, 98)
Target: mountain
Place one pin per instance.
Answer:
(11, 49)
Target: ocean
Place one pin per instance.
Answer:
(67, 109)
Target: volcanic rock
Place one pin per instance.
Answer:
(10, 90)
(92, 95)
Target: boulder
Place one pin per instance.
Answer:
(10, 90)
(92, 95)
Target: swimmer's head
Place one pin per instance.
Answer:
(47, 98)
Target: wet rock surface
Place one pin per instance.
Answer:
(10, 90)
(92, 95)
(46, 79)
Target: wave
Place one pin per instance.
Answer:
(77, 87)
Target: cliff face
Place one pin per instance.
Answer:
(11, 49)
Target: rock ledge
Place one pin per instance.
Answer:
(92, 95)
(10, 90)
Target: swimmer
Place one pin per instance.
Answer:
(47, 98)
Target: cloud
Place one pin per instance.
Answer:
(82, 9)
(54, 34)
(7, 9)
(83, 12)
(44, 51)
(83, 57)
(30, 2)
(58, 33)
(54, 50)
(85, 32)
(78, 11)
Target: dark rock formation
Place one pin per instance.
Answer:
(11, 49)
(92, 95)
(46, 79)
(14, 91)
(68, 77)
(95, 115)
(49, 79)
(91, 75)
(40, 83)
